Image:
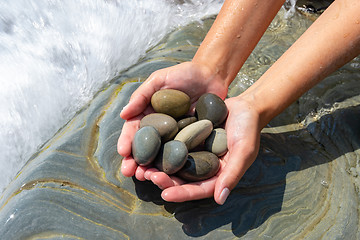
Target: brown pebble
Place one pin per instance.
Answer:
(165, 124)
(186, 121)
(171, 102)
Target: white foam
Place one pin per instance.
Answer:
(55, 55)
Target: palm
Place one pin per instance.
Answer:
(187, 77)
(243, 143)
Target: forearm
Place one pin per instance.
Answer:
(234, 34)
(332, 41)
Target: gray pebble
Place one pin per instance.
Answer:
(211, 107)
(199, 166)
(146, 145)
(172, 157)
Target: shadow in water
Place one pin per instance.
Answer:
(261, 191)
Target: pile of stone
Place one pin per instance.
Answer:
(188, 146)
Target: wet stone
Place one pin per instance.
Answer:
(186, 121)
(165, 124)
(171, 102)
(217, 142)
(195, 133)
(211, 107)
(199, 166)
(172, 157)
(146, 145)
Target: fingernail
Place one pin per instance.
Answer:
(164, 195)
(223, 195)
(124, 107)
(147, 176)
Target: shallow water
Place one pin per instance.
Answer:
(303, 185)
(55, 55)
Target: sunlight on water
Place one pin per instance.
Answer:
(55, 55)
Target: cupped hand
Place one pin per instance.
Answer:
(243, 138)
(192, 78)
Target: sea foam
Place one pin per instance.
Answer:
(55, 55)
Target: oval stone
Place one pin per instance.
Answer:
(211, 107)
(165, 124)
(199, 166)
(195, 133)
(217, 142)
(146, 145)
(171, 102)
(186, 121)
(172, 157)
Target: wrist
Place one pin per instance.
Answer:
(258, 106)
(216, 68)
(212, 77)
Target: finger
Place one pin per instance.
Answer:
(190, 191)
(128, 166)
(127, 135)
(163, 181)
(239, 160)
(149, 172)
(139, 173)
(141, 98)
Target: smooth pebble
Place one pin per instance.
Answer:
(172, 157)
(146, 145)
(171, 102)
(211, 107)
(165, 124)
(217, 142)
(199, 166)
(195, 133)
(186, 121)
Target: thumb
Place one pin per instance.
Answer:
(136, 105)
(141, 98)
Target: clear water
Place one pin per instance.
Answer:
(56, 54)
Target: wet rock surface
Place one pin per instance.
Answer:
(199, 166)
(307, 170)
(313, 6)
(211, 107)
(171, 102)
